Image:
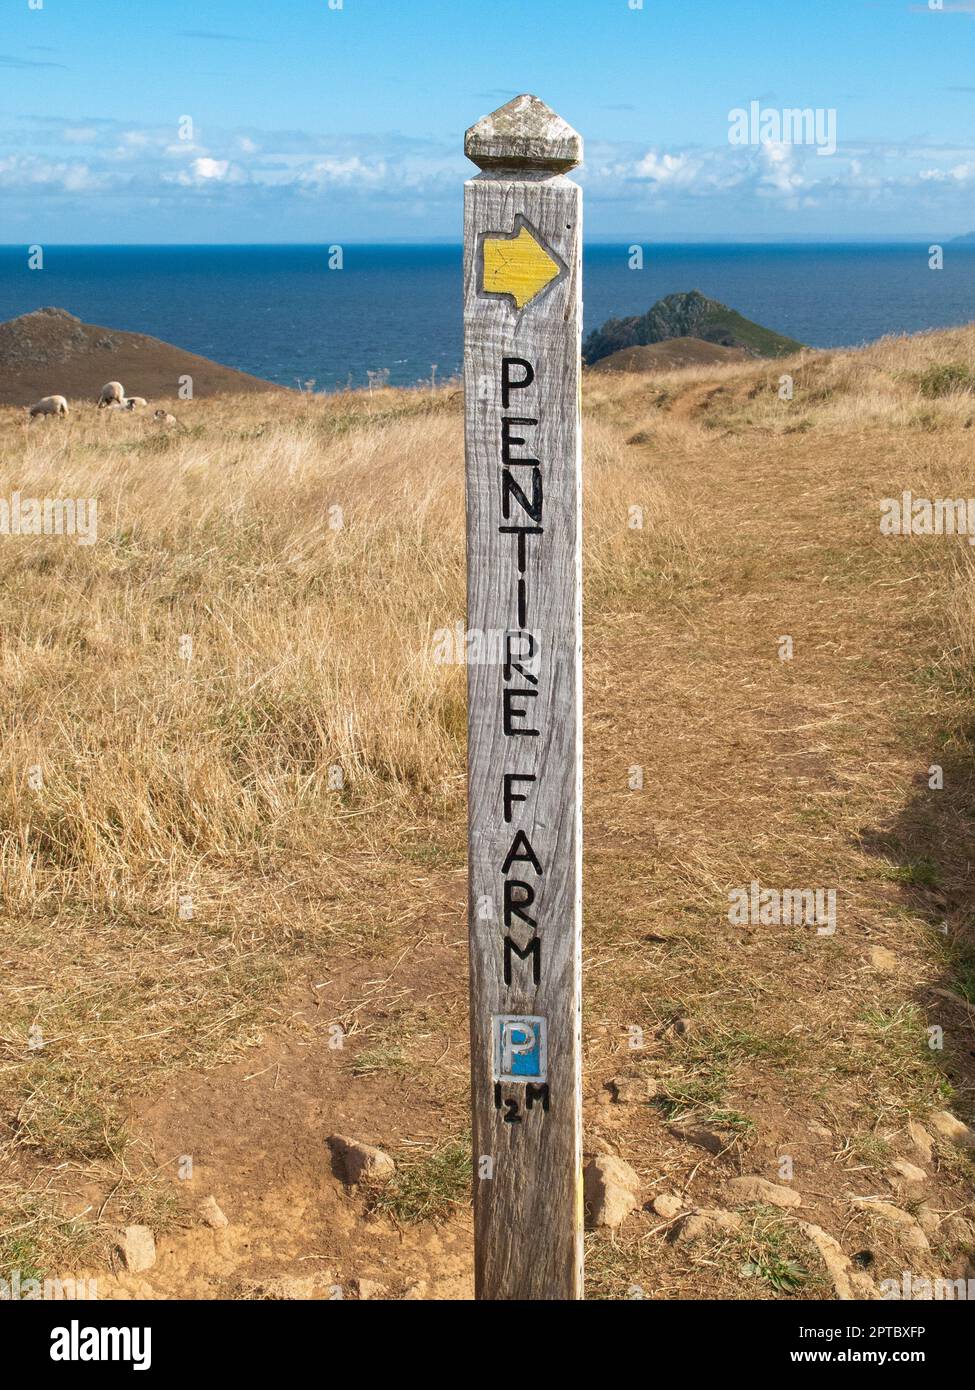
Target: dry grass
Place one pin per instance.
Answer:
(275, 785)
(298, 783)
(309, 646)
(923, 382)
(309, 554)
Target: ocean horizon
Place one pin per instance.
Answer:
(279, 312)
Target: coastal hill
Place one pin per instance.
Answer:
(52, 352)
(690, 315)
(670, 355)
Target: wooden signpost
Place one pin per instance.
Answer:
(522, 327)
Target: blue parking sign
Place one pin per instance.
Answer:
(520, 1047)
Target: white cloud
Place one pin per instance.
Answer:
(791, 176)
(78, 178)
(961, 173)
(348, 170)
(34, 172)
(206, 168)
(667, 168)
(780, 178)
(402, 176)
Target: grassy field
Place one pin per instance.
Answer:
(232, 820)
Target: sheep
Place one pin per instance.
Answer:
(131, 402)
(112, 391)
(49, 405)
(163, 417)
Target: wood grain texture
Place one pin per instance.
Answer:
(528, 1213)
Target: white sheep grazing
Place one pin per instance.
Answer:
(112, 391)
(131, 402)
(49, 405)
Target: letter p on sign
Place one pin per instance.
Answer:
(520, 1048)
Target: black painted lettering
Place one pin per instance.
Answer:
(509, 383)
(508, 439)
(533, 1093)
(510, 797)
(510, 712)
(533, 949)
(515, 907)
(521, 532)
(519, 661)
(511, 488)
(521, 851)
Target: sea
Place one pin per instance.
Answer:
(282, 313)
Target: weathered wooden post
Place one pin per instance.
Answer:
(522, 322)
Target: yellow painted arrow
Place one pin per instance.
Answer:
(518, 266)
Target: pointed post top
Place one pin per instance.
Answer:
(524, 134)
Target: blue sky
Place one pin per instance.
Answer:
(312, 123)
